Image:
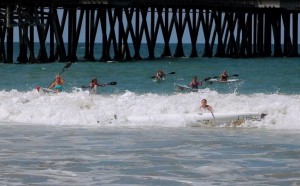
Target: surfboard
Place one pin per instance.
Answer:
(44, 90)
(158, 80)
(214, 80)
(111, 61)
(180, 88)
(198, 117)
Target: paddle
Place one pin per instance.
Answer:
(212, 114)
(208, 78)
(110, 83)
(234, 75)
(64, 69)
(165, 74)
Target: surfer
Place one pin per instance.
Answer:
(224, 76)
(195, 83)
(57, 84)
(205, 106)
(160, 74)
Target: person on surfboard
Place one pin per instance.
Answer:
(224, 76)
(57, 84)
(194, 84)
(205, 106)
(160, 74)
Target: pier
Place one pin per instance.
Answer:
(50, 30)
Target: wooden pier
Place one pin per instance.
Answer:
(229, 28)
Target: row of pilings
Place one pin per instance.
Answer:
(57, 32)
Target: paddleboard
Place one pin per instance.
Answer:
(213, 80)
(198, 117)
(110, 61)
(158, 80)
(180, 87)
(44, 90)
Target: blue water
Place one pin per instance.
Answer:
(75, 138)
(258, 75)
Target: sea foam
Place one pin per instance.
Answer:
(82, 109)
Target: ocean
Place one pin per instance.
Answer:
(77, 138)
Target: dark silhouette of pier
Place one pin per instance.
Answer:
(230, 28)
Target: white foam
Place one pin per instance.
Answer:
(82, 109)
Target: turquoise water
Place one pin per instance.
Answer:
(75, 138)
(263, 75)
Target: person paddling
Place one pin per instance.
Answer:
(205, 106)
(160, 74)
(194, 84)
(57, 84)
(94, 82)
(224, 76)
(93, 85)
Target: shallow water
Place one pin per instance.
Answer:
(46, 155)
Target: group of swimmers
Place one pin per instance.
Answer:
(194, 84)
(59, 81)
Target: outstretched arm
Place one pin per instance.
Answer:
(102, 85)
(51, 86)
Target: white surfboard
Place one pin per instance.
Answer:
(180, 87)
(214, 80)
(111, 61)
(198, 117)
(158, 80)
(44, 90)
